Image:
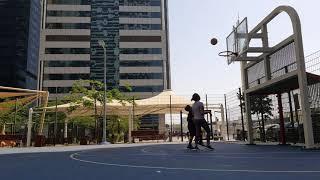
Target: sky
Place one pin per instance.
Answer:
(195, 64)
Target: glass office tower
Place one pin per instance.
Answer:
(19, 45)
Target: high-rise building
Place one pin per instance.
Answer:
(19, 45)
(136, 36)
(65, 42)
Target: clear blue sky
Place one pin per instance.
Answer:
(195, 65)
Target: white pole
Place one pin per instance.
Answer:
(130, 125)
(66, 131)
(29, 127)
(104, 128)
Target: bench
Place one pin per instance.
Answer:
(148, 135)
(11, 140)
(217, 138)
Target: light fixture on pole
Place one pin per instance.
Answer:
(104, 128)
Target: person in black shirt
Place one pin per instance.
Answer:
(191, 126)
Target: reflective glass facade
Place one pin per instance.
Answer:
(19, 45)
(105, 26)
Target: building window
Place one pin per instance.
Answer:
(59, 90)
(141, 51)
(141, 76)
(141, 63)
(140, 26)
(69, 13)
(67, 38)
(140, 38)
(140, 2)
(142, 89)
(68, 26)
(71, 2)
(140, 15)
(65, 76)
(66, 63)
(67, 50)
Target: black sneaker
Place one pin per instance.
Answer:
(209, 147)
(201, 143)
(196, 147)
(190, 146)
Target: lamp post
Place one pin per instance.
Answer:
(104, 134)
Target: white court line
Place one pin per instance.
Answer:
(229, 157)
(196, 155)
(144, 150)
(72, 156)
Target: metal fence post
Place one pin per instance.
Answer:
(241, 110)
(171, 123)
(226, 111)
(29, 127)
(181, 128)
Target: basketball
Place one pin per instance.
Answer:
(214, 41)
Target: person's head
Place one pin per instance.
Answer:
(195, 97)
(188, 108)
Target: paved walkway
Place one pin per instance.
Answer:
(71, 148)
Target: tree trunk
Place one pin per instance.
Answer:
(3, 130)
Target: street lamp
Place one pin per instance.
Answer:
(104, 134)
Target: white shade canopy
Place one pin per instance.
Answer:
(159, 104)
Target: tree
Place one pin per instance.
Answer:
(259, 105)
(88, 92)
(8, 109)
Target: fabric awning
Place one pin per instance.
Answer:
(159, 104)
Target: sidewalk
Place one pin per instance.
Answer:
(71, 148)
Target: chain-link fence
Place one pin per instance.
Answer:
(267, 127)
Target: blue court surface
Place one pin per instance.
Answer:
(166, 162)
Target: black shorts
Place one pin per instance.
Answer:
(192, 129)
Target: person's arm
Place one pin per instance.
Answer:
(202, 109)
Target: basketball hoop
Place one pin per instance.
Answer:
(228, 54)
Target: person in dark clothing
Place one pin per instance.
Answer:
(199, 120)
(191, 127)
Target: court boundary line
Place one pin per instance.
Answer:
(72, 156)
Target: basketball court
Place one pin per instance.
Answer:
(174, 161)
(264, 70)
